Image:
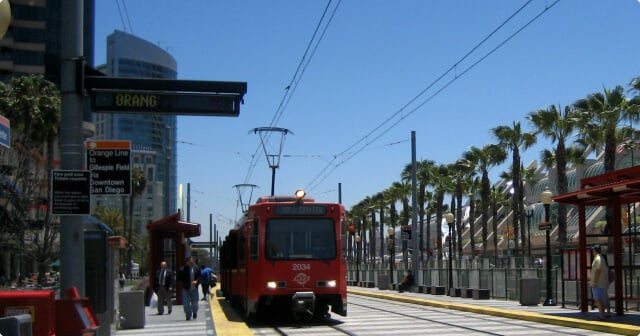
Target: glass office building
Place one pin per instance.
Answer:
(152, 135)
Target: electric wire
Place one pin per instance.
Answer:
(295, 80)
(332, 166)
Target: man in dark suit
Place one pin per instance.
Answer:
(164, 287)
(189, 275)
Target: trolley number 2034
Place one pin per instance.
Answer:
(301, 267)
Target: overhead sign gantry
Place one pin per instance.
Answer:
(183, 97)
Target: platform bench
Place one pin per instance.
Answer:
(437, 290)
(467, 293)
(481, 294)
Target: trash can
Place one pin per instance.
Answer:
(18, 325)
(383, 281)
(131, 309)
(530, 291)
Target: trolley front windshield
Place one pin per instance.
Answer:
(300, 238)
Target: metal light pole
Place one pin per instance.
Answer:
(357, 239)
(392, 249)
(545, 198)
(529, 213)
(450, 218)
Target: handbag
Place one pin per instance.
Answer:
(611, 276)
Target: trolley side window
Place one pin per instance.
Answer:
(300, 238)
(255, 247)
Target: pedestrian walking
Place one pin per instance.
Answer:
(205, 281)
(407, 282)
(164, 288)
(189, 275)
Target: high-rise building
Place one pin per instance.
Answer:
(152, 136)
(32, 44)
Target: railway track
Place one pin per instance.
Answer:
(372, 316)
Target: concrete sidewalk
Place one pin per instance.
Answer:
(629, 324)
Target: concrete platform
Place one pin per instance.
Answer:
(629, 324)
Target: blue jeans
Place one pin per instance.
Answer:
(190, 300)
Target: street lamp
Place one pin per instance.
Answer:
(392, 249)
(529, 213)
(450, 218)
(358, 239)
(545, 198)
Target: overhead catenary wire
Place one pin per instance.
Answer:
(349, 154)
(307, 56)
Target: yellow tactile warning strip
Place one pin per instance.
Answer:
(226, 320)
(615, 328)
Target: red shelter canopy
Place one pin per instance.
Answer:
(168, 239)
(611, 190)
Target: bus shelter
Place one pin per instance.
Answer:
(611, 190)
(168, 240)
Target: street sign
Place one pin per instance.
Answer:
(205, 104)
(406, 232)
(544, 226)
(110, 164)
(70, 192)
(5, 132)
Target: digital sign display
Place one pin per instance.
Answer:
(300, 210)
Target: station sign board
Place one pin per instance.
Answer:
(70, 192)
(109, 162)
(165, 103)
(406, 232)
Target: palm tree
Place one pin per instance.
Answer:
(402, 190)
(497, 199)
(483, 159)
(138, 185)
(472, 190)
(112, 217)
(600, 113)
(424, 173)
(513, 139)
(441, 183)
(378, 200)
(557, 126)
(463, 175)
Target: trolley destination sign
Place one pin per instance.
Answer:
(109, 162)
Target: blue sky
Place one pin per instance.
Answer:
(355, 101)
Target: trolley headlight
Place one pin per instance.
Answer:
(276, 284)
(326, 283)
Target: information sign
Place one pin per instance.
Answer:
(544, 226)
(70, 192)
(109, 162)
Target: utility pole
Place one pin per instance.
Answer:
(414, 203)
(72, 264)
